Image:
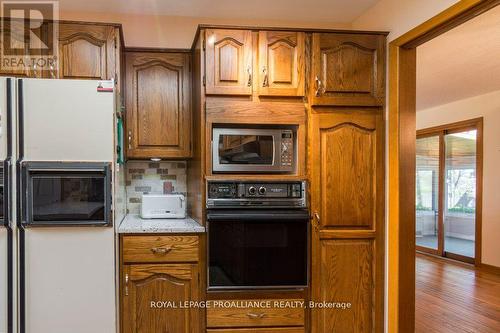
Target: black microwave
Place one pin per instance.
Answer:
(254, 150)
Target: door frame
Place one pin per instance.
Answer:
(401, 155)
(441, 131)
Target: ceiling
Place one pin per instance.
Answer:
(462, 63)
(340, 11)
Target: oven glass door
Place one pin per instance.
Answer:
(257, 250)
(67, 194)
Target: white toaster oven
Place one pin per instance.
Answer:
(163, 206)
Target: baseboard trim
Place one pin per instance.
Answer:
(490, 268)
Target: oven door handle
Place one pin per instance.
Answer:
(257, 215)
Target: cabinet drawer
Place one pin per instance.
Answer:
(248, 316)
(160, 248)
(258, 330)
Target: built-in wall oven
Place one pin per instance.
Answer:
(66, 193)
(257, 235)
(262, 149)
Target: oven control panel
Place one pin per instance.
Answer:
(263, 194)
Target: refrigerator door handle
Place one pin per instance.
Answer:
(19, 205)
(7, 208)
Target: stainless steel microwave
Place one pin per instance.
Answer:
(254, 150)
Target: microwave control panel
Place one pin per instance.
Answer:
(287, 154)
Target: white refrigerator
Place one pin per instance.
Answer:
(59, 187)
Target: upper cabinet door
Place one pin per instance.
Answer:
(86, 52)
(348, 69)
(345, 169)
(281, 68)
(158, 105)
(13, 35)
(228, 62)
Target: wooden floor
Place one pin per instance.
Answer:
(454, 297)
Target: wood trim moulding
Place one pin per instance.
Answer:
(401, 142)
(116, 25)
(298, 29)
(249, 112)
(490, 269)
(156, 50)
(447, 127)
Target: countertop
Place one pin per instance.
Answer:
(133, 223)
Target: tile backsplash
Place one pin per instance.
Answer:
(153, 177)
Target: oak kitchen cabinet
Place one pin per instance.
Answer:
(348, 69)
(85, 51)
(229, 69)
(230, 65)
(13, 34)
(161, 268)
(347, 198)
(281, 63)
(158, 103)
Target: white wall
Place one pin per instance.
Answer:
(399, 16)
(487, 106)
(177, 31)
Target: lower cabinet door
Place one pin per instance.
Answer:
(153, 298)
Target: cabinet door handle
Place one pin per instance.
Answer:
(161, 250)
(252, 315)
(126, 284)
(52, 75)
(249, 71)
(316, 220)
(130, 139)
(265, 82)
(319, 86)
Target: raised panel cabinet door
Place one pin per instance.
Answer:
(228, 55)
(346, 160)
(153, 295)
(345, 274)
(344, 168)
(348, 69)
(14, 60)
(86, 52)
(158, 105)
(281, 70)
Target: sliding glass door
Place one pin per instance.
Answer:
(427, 196)
(448, 182)
(460, 193)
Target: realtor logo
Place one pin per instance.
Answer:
(29, 35)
